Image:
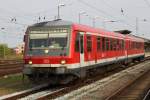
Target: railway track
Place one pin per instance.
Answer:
(37, 92)
(103, 89)
(24, 93)
(10, 68)
(147, 96)
(56, 91)
(43, 94)
(86, 91)
(2, 61)
(134, 90)
(137, 86)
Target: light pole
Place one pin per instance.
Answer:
(137, 26)
(59, 5)
(81, 13)
(93, 22)
(104, 22)
(93, 19)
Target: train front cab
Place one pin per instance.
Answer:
(47, 51)
(42, 63)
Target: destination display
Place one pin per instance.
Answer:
(58, 30)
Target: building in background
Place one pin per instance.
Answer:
(19, 49)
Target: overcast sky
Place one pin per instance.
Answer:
(27, 12)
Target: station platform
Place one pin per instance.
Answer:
(109, 87)
(136, 91)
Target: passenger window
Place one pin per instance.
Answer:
(129, 45)
(123, 45)
(98, 43)
(118, 44)
(89, 44)
(111, 44)
(114, 44)
(107, 44)
(103, 43)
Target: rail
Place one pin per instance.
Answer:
(6, 69)
(11, 61)
(127, 84)
(114, 83)
(57, 92)
(147, 96)
(24, 93)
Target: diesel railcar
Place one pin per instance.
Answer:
(66, 50)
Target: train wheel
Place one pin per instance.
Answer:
(61, 79)
(33, 79)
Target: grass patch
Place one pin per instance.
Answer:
(11, 79)
(14, 83)
(13, 57)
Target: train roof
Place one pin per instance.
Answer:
(100, 31)
(57, 22)
(130, 36)
(134, 38)
(80, 27)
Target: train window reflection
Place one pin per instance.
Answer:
(56, 44)
(38, 40)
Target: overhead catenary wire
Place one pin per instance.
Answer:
(147, 3)
(99, 10)
(34, 15)
(103, 12)
(121, 10)
(93, 7)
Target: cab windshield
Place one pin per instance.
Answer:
(53, 44)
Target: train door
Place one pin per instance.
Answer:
(81, 48)
(127, 47)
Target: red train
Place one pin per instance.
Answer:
(64, 49)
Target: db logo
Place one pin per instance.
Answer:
(46, 61)
(103, 55)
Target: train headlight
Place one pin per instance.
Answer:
(63, 62)
(30, 62)
(46, 51)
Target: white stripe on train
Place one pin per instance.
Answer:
(87, 63)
